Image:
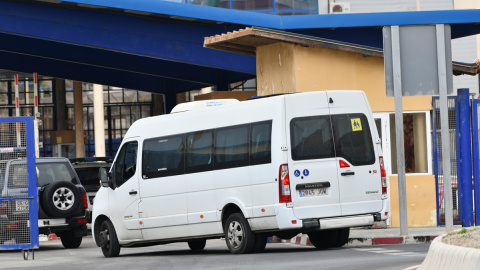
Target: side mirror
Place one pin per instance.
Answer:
(105, 178)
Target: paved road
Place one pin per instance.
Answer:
(52, 255)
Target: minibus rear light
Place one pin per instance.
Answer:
(383, 174)
(284, 185)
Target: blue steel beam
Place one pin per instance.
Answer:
(115, 60)
(93, 74)
(176, 41)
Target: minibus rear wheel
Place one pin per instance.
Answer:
(323, 239)
(238, 235)
(342, 238)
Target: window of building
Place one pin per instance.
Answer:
(415, 142)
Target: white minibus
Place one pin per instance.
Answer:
(280, 165)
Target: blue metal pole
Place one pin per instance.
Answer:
(476, 163)
(32, 181)
(465, 161)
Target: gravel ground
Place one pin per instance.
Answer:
(465, 237)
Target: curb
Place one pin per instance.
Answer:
(445, 256)
(367, 241)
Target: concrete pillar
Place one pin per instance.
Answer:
(78, 107)
(99, 120)
(61, 103)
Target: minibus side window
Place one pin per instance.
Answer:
(353, 140)
(163, 157)
(126, 163)
(260, 143)
(199, 151)
(311, 138)
(231, 147)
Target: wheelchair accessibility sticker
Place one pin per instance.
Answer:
(297, 173)
(356, 124)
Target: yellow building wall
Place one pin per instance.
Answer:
(421, 201)
(275, 69)
(288, 68)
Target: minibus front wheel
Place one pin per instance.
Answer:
(108, 239)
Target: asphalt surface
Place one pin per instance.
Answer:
(52, 255)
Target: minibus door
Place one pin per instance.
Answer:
(357, 161)
(125, 198)
(312, 164)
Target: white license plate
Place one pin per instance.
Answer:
(21, 205)
(313, 192)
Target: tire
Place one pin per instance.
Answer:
(197, 245)
(238, 235)
(108, 239)
(323, 239)
(61, 199)
(69, 240)
(260, 242)
(342, 237)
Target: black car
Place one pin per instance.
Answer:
(62, 201)
(87, 171)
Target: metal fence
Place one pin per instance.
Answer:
(18, 188)
(438, 159)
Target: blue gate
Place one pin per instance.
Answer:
(18, 184)
(438, 160)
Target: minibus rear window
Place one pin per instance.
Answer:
(353, 140)
(311, 138)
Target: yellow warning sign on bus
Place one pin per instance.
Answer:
(356, 124)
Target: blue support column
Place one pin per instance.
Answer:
(476, 159)
(465, 160)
